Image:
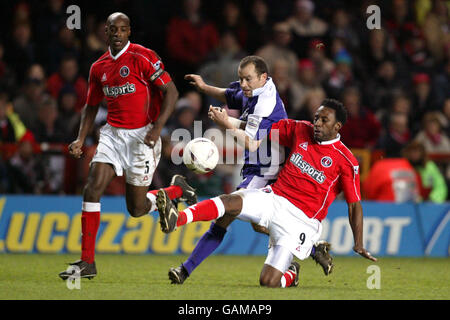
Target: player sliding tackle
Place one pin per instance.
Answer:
(318, 168)
(256, 96)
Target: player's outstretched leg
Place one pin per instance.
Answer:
(206, 210)
(321, 255)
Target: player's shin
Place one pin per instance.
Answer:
(206, 210)
(90, 221)
(205, 247)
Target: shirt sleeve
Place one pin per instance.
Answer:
(283, 132)
(234, 96)
(153, 69)
(350, 182)
(95, 92)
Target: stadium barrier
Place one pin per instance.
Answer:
(52, 224)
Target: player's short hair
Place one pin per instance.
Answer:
(338, 107)
(259, 63)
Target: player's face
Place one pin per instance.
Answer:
(250, 80)
(326, 126)
(118, 31)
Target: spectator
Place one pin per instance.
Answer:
(436, 29)
(400, 21)
(432, 135)
(67, 114)
(362, 129)
(220, 68)
(323, 66)
(11, 128)
(415, 51)
(8, 79)
(423, 98)
(232, 19)
(396, 136)
(313, 98)
(432, 183)
(47, 129)
(341, 27)
(291, 91)
(20, 53)
(66, 44)
(190, 38)
(441, 83)
(27, 102)
(68, 75)
(278, 48)
(259, 26)
(305, 26)
(446, 112)
(342, 75)
(383, 85)
(25, 169)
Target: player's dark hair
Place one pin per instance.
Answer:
(259, 63)
(338, 107)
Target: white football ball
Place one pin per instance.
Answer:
(200, 155)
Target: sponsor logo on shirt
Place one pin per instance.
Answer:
(119, 90)
(306, 168)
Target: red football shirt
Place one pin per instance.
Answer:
(129, 81)
(314, 173)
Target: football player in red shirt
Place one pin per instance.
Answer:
(140, 97)
(318, 168)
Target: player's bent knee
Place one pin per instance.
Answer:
(232, 204)
(269, 281)
(135, 211)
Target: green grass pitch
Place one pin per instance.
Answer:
(124, 277)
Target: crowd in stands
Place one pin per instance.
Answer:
(394, 81)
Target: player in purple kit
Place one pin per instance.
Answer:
(256, 96)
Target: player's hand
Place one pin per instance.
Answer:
(195, 80)
(152, 136)
(260, 229)
(364, 253)
(219, 116)
(75, 148)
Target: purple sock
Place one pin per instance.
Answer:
(205, 246)
(313, 251)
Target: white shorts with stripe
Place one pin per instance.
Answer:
(126, 151)
(289, 227)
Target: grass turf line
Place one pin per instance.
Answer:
(220, 277)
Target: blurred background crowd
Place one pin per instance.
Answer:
(394, 81)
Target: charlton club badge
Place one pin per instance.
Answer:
(124, 71)
(326, 162)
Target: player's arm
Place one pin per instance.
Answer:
(235, 127)
(170, 93)
(201, 86)
(88, 115)
(355, 215)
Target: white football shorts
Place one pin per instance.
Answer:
(126, 151)
(289, 227)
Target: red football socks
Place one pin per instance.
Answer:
(90, 222)
(174, 192)
(206, 210)
(287, 279)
